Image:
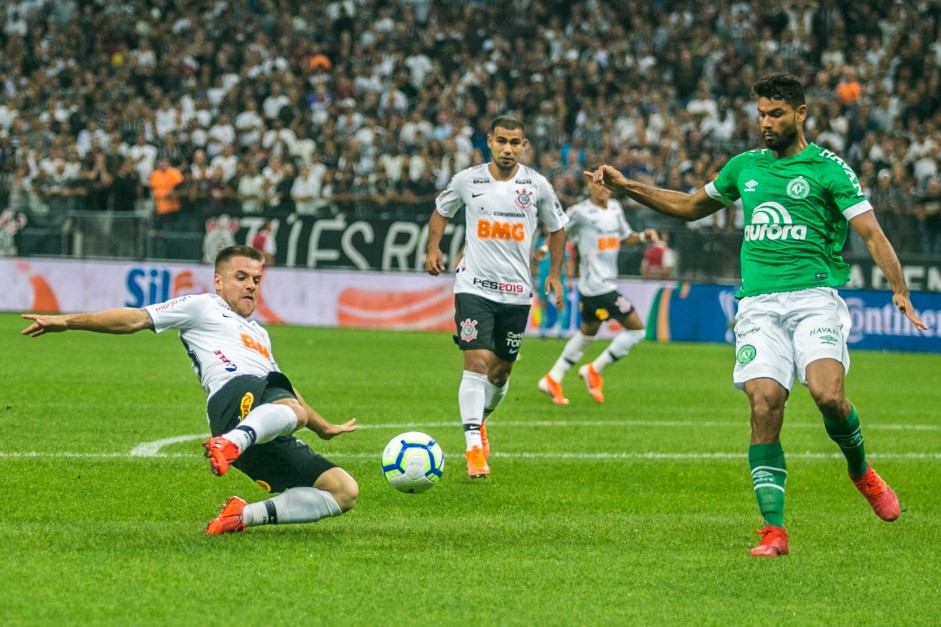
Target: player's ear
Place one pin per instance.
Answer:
(801, 112)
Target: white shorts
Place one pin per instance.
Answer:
(778, 335)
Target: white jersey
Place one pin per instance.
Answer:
(597, 233)
(221, 343)
(502, 220)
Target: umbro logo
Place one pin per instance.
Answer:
(751, 185)
(476, 195)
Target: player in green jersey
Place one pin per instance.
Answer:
(798, 200)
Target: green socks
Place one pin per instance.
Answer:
(847, 435)
(768, 473)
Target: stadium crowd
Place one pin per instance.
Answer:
(192, 108)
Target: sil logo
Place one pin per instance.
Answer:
(245, 405)
(468, 330)
(745, 354)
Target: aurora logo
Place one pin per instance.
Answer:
(772, 221)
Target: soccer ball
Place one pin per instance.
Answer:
(412, 462)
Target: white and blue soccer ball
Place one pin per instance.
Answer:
(412, 462)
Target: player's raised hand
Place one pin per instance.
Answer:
(609, 177)
(44, 324)
(904, 304)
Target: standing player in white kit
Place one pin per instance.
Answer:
(504, 202)
(598, 227)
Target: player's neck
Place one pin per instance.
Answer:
(601, 204)
(796, 148)
(501, 174)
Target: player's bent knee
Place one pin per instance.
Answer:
(341, 486)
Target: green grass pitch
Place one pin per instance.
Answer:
(635, 512)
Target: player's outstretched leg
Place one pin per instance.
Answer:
(294, 505)
(881, 497)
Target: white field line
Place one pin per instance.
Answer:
(153, 449)
(645, 456)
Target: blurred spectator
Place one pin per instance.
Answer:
(251, 189)
(659, 261)
(928, 212)
(264, 242)
(164, 185)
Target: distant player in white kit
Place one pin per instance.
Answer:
(598, 227)
(504, 202)
(252, 407)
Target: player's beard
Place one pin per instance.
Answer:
(782, 141)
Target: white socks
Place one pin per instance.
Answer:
(620, 346)
(493, 396)
(572, 353)
(294, 505)
(263, 424)
(471, 399)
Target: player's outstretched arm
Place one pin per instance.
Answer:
(882, 252)
(123, 320)
(316, 423)
(669, 202)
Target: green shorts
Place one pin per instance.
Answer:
(282, 463)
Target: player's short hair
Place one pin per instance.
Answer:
(780, 86)
(237, 251)
(509, 123)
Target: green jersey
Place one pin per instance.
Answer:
(797, 211)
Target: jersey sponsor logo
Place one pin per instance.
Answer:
(513, 341)
(497, 229)
(602, 314)
(828, 340)
(245, 405)
(468, 331)
(476, 195)
(743, 334)
(608, 243)
(771, 221)
(746, 354)
(497, 286)
(506, 214)
(249, 342)
(480, 181)
(524, 199)
(798, 188)
(229, 366)
(751, 185)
